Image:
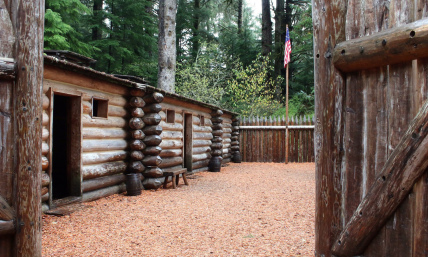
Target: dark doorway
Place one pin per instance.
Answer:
(66, 149)
(188, 141)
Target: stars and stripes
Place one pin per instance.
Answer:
(287, 50)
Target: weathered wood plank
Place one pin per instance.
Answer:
(329, 30)
(405, 165)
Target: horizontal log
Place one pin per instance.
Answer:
(153, 130)
(104, 169)
(152, 183)
(45, 163)
(138, 134)
(153, 172)
(208, 122)
(406, 164)
(202, 149)
(227, 121)
(200, 157)
(137, 112)
(171, 126)
(103, 182)
(45, 119)
(46, 102)
(102, 157)
(226, 155)
(217, 133)
(216, 146)
(151, 160)
(152, 119)
(136, 167)
(226, 145)
(217, 140)
(205, 136)
(397, 45)
(45, 180)
(171, 135)
(152, 150)
(227, 130)
(178, 118)
(137, 102)
(217, 113)
(92, 145)
(155, 97)
(199, 143)
(169, 162)
(196, 120)
(44, 190)
(45, 148)
(45, 197)
(136, 123)
(204, 129)
(232, 143)
(216, 152)
(235, 128)
(7, 69)
(45, 207)
(217, 126)
(200, 164)
(226, 136)
(137, 145)
(138, 92)
(6, 212)
(104, 133)
(235, 134)
(225, 151)
(226, 140)
(117, 111)
(110, 122)
(171, 153)
(216, 120)
(152, 140)
(152, 108)
(136, 155)
(171, 144)
(235, 148)
(234, 138)
(7, 227)
(45, 134)
(104, 192)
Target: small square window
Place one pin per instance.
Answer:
(202, 120)
(170, 116)
(99, 108)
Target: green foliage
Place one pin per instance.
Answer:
(203, 79)
(250, 92)
(61, 19)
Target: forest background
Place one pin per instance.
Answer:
(226, 55)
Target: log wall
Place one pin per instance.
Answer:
(104, 140)
(202, 135)
(227, 134)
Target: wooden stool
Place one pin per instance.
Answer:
(175, 175)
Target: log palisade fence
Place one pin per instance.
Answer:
(263, 139)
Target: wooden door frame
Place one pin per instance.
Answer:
(75, 156)
(188, 144)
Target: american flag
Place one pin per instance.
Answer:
(287, 50)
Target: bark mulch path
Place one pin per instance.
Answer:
(248, 209)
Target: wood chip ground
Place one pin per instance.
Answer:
(248, 209)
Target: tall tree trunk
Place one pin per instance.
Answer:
(97, 8)
(166, 45)
(266, 28)
(280, 31)
(239, 16)
(195, 39)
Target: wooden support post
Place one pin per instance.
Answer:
(406, 164)
(28, 22)
(215, 161)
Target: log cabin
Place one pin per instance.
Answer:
(98, 127)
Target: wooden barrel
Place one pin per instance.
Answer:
(133, 184)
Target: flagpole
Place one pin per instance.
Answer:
(286, 114)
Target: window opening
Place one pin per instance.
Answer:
(99, 108)
(170, 116)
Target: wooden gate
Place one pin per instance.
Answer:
(263, 139)
(371, 148)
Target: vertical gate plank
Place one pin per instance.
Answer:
(399, 228)
(420, 231)
(329, 29)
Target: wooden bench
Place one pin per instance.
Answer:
(175, 175)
